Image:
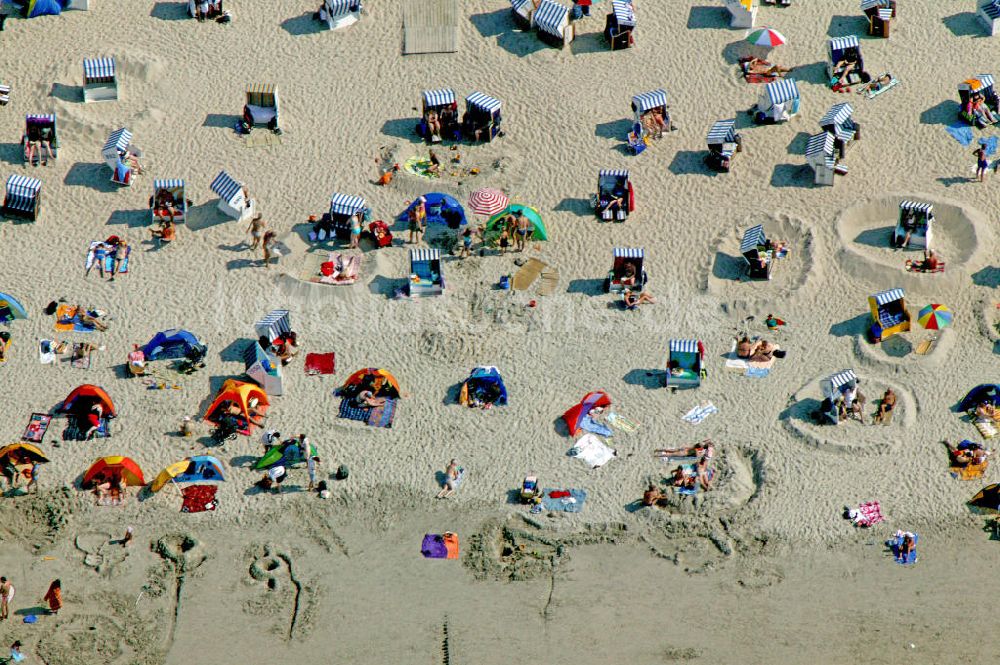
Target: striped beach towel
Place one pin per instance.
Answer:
(351, 411)
(382, 416)
(622, 423)
(699, 413)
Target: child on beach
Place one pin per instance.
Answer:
(504, 242)
(466, 243)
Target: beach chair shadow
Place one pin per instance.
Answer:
(67, 93)
(520, 44)
(728, 267)
(384, 286)
(223, 120)
(402, 128)
(169, 11)
(791, 175)
(798, 144)
(988, 277)
(513, 497)
(132, 218)
(591, 42)
(205, 216)
(37, 610)
(814, 72)
(690, 162)
(616, 130)
(492, 24)
(851, 327)
(242, 461)
(90, 174)
(581, 207)
(707, 18)
(963, 24)
(650, 379)
(942, 113)
(801, 410)
(844, 25)
(875, 237)
(234, 351)
(588, 287)
(12, 153)
(304, 24)
(633, 506)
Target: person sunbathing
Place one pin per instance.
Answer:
(985, 412)
(633, 299)
(930, 262)
(759, 350)
(705, 449)
(981, 110)
(87, 320)
(966, 453)
(763, 67)
(876, 84)
(652, 495)
(366, 398)
(886, 405)
(682, 479)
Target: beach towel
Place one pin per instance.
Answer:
(757, 372)
(924, 347)
(199, 498)
(690, 470)
(987, 429)
(961, 133)
(989, 144)
(897, 543)
(868, 514)
(549, 282)
(67, 321)
(622, 423)
(568, 504)
(74, 433)
(37, 426)
(80, 358)
(699, 413)
(589, 424)
(419, 167)
(872, 94)
(970, 471)
(382, 416)
(351, 411)
(592, 451)
(440, 546)
(320, 363)
(46, 351)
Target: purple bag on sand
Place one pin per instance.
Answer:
(433, 547)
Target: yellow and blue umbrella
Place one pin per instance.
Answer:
(935, 317)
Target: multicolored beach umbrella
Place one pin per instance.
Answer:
(766, 37)
(488, 201)
(935, 317)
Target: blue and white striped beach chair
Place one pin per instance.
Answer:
(614, 185)
(820, 156)
(684, 364)
(619, 25)
(551, 20)
(261, 108)
(482, 116)
(175, 188)
(426, 276)
(233, 201)
(100, 80)
(723, 142)
(22, 197)
(988, 12)
(39, 128)
(340, 13)
(117, 154)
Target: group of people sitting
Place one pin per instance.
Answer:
(204, 9)
(850, 403)
(977, 108)
(684, 476)
(285, 346)
(38, 140)
(86, 317)
(110, 489)
(985, 412)
(967, 453)
(439, 121)
(757, 349)
(654, 122)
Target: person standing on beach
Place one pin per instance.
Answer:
(256, 231)
(268, 245)
(54, 597)
(981, 162)
(6, 595)
(312, 461)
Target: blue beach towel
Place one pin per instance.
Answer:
(990, 144)
(109, 262)
(961, 133)
(351, 411)
(757, 372)
(382, 416)
(896, 543)
(699, 413)
(562, 503)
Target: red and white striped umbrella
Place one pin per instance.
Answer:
(488, 201)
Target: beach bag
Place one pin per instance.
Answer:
(342, 472)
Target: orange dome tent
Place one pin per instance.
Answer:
(239, 393)
(379, 381)
(88, 395)
(114, 467)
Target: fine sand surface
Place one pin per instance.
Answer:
(760, 570)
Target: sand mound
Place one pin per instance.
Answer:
(907, 348)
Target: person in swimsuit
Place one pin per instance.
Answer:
(466, 243)
(118, 258)
(165, 201)
(523, 229)
(452, 477)
(417, 218)
(652, 495)
(256, 231)
(981, 162)
(633, 299)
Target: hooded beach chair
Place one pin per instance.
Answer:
(684, 363)
(619, 25)
(232, 198)
(889, 314)
(754, 248)
(988, 12)
(22, 197)
(342, 208)
(723, 144)
(622, 276)
(614, 185)
(973, 92)
(340, 13)
(778, 102)
(117, 154)
(917, 218)
(845, 49)
(482, 117)
(443, 103)
(878, 13)
(643, 104)
(261, 108)
(4, 94)
(277, 323)
(742, 13)
(176, 189)
(425, 273)
(839, 122)
(551, 21)
(100, 80)
(39, 127)
(522, 10)
(263, 368)
(834, 386)
(820, 156)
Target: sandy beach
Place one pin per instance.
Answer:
(760, 569)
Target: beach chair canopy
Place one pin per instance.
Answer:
(478, 100)
(987, 392)
(839, 46)
(820, 148)
(624, 13)
(495, 225)
(97, 70)
(111, 469)
(379, 381)
(424, 255)
(991, 8)
(551, 17)
(837, 115)
(918, 208)
(262, 94)
(23, 186)
(753, 240)
(440, 209)
(722, 131)
(82, 399)
(484, 385)
(875, 4)
(683, 346)
(834, 384)
(440, 97)
(338, 8)
(197, 469)
(574, 416)
(609, 180)
(345, 204)
(521, 6)
(646, 101)
(684, 353)
(117, 143)
(39, 120)
(11, 308)
(888, 308)
(239, 393)
(173, 343)
(278, 322)
(883, 298)
(228, 189)
(174, 185)
(257, 362)
(23, 451)
(781, 91)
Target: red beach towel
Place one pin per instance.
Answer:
(320, 363)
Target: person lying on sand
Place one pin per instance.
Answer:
(367, 398)
(876, 84)
(763, 67)
(704, 449)
(633, 299)
(886, 405)
(966, 453)
(759, 350)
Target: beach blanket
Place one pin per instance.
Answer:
(80, 357)
(419, 167)
(896, 543)
(960, 132)
(699, 413)
(527, 274)
(46, 351)
(568, 500)
(970, 471)
(199, 498)
(622, 423)
(989, 144)
(74, 433)
(549, 282)
(37, 426)
(757, 372)
(589, 424)
(592, 451)
(690, 470)
(320, 363)
(987, 429)
(67, 321)
(382, 416)
(440, 546)
(868, 514)
(351, 411)
(101, 251)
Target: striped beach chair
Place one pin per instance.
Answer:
(614, 185)
(619, 25)
(742, 13)
(117, 154)
(175, 188)
(442, 102)
(820, 156)
(627, 270)
(4, 94)
(233, 201)
(202, 9)
(917, 219)
(758, 258)
(482, 117)
(278, 322)
(100, 80)
(426, 276)
(684, 364)
(879, 13)
(845, 49)
(643, 104)
(39, 128)
(833, 386)
(522, 10)
(723, 143)
(343, 208)
(340, 13)
(988, 12)
(889, 314)
(979, 88)
(778, 102)
(22, 197)
(261, 108)
(551, 20)
(839, 121)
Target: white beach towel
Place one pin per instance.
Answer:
(590, 449)
(734, 362)
(699, 413)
